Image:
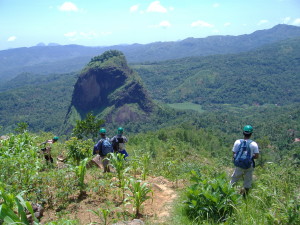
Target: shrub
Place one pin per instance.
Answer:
(79, 149)
(211, 200)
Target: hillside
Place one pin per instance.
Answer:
(70, 58)
(40, 101)
(112, 91)
(269, 75)
(175, 175)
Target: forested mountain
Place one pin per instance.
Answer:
(270, 74)
(108, 87)
(70, 58)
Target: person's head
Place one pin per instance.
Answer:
(55, 139)
(102, 132)
(247, 131)
(120, 130)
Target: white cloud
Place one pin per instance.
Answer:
(164, 24)
(171, 8)
(88, 35)
(68, 6)
(286, 20)
(70, 34)
(12, 38)
(216, 5)
(262, 22)
(134, 8)
(227, 24)
(201, 23)
(156, 7)
(297, 22)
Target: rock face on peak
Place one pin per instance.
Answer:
(110, 89)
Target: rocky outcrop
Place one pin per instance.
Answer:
(110, 88)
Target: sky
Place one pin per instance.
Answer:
(26, 23)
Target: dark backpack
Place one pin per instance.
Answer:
(243, 157)
(106, 147)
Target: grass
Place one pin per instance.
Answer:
(187, 106)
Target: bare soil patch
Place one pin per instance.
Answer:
(155, 210)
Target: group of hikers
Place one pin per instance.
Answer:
(105, 146)
(102, 148)
(244, 152)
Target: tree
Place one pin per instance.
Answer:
(87, 128)
(22, 127)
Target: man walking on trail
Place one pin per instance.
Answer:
(47, 149)
(119, 141)
(244, 153)
(103, 148)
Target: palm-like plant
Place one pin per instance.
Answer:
(139, 194)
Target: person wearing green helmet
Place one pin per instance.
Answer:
(244, 152)
(119, 141)
(103, 148)
(46, 150)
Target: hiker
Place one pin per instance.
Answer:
(103, 148)
(119, 141)
(244, 152)
(47, 148)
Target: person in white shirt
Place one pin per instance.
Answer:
(242, 173)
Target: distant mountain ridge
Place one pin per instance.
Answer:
(69, 58)
(268, 75)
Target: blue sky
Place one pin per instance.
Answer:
(25, 23)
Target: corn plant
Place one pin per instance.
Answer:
(102, 214)
(146, 164)
(210, 199)
(19, 156)
(117, 161)
(139, 194)
(13, 209)
(80, 172)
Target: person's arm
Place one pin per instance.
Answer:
(255, 150)
(235, 148)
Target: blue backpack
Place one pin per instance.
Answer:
(106, 147)
(243, 157)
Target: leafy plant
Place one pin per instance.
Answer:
(102, 214)
(120, 165)
(146, 164)
(212, 200)
(13, 209)
(22, 127)
(80, 172)
(87, 128)
(78, 149)
(139, 194)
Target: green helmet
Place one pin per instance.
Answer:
(248, 129)
(55, 138)
(102, 131)
(120, 130)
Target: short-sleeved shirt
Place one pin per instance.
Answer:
(253, 146)
(118, 142)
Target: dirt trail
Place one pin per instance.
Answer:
(164, 194)
(156, 210)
